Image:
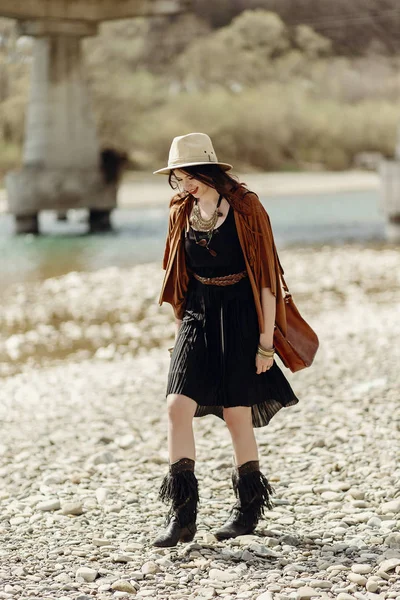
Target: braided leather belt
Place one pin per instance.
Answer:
(225, 280)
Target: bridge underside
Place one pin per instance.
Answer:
(89, 10)
(61, 167)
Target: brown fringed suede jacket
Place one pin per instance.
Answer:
(257, 242)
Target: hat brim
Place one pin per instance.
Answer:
(167, 170)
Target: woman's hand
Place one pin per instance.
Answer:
(263, 364)
(178, 323)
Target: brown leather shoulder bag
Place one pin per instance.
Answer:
(299, 346)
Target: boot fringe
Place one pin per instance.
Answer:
(253, 491)
(181, 489)
(178, 487)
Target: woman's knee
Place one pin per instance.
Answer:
(180, 408)
(237, 418)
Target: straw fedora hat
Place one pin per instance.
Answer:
(189, 150)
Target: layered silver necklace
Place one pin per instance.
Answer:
(205, 225)
(199, 223)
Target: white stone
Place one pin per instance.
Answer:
(361, 568)
(389, 565)
(102, 495)
(121, 558)
(222, 575)
(54, 479)
(337, 567)
(389, 524)
(374, 522)
(286, 520)
(356, 493)
(100, 542)
(339, 531)
(48, 505)
(393, 506)
(357, 578)
(265, 596)
(126, 441)
(321, 583)
(302, 489)
(331, 496)
(86, 574)
(150, 567)
(72, 508)
(17, 521)
(122, 585)
(306, 592)
(9, 589)
(358, 542)
(246, 556)
(393, 540)
(101, 458)
(208, 592)
(372, 585)
(262, 550)
(114, 508)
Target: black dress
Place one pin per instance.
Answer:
(213, 361)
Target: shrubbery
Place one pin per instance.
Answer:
(272, 127)
(353, 27)
(271, 96)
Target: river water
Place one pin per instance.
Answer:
(139, 234)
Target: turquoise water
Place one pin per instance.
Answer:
(139, 234)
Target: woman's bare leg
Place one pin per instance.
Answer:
(251, 487)
(239, 422)
(179, 487)
(181, 441)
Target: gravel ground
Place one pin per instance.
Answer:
(83, 449)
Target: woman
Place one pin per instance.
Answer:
(222, 279)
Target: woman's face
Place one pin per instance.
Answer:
(189, 184)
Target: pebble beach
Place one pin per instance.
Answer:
(83, 446)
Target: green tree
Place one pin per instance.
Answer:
(312, 44)
(236, 55)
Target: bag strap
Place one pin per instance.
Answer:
(285, 286)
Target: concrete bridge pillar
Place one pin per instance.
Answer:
(61, 166)
(390, 193)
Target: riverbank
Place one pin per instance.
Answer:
(146, 190)
(84, 360)
(141, 190)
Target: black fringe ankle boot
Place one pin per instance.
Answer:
(179, 486)
(253, 491)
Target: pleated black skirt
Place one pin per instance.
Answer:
(213, 361)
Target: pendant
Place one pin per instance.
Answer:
(204, 244)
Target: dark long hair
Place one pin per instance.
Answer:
(213, 176)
